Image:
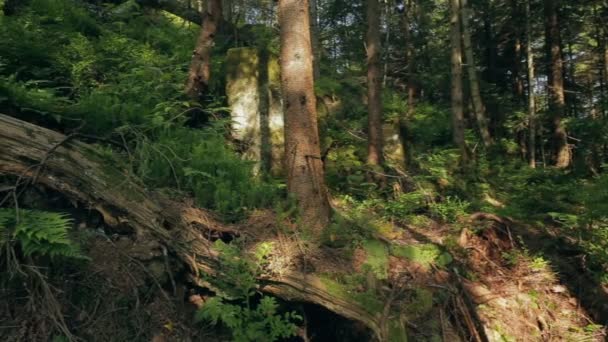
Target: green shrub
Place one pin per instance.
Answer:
(61, 65)
(406, 204)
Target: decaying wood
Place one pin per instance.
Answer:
(82, 173)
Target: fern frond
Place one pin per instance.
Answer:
(39, 233)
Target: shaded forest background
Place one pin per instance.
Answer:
(483, 177)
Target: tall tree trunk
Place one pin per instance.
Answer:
(531, 89)
(199, 72)
(387, 43)
(605, 61)
(456, 93)
(516, 31)
(603, 43)
(478, 106)
(556, 84)
(305, 179)
(228, 11)
(374, 84)
(314, 36)
(410, 84)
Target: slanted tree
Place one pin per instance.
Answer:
(305, 174)
(456, 82)
(478, 107)
(200, 67)
(557, 98)
(374, 84)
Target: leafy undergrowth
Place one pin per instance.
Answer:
(118, 77)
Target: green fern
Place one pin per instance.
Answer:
(234, 305)
(39, 233)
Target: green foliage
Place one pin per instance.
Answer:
(263, 322)
(201, 161)
(406, 204)
(348, 228)
(430, 126)
(450, 209)
(125, 81)
(39, 233)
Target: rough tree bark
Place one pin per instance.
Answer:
(199, 72)
(305, 174)
(531, 89)
(456, 88)
(374, 84)
(556, 84)
(83, 174)
(478, 106)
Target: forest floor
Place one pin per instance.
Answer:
(483, 278)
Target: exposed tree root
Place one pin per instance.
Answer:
(83, 174)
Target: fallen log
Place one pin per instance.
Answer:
(175, 7)
(82, 173)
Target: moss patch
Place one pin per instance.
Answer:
(376, 258)
(396, 332)
(368, 300)
(424, 254)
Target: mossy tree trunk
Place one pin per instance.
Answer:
(253, 89)
(306, 177)
(243, 73)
